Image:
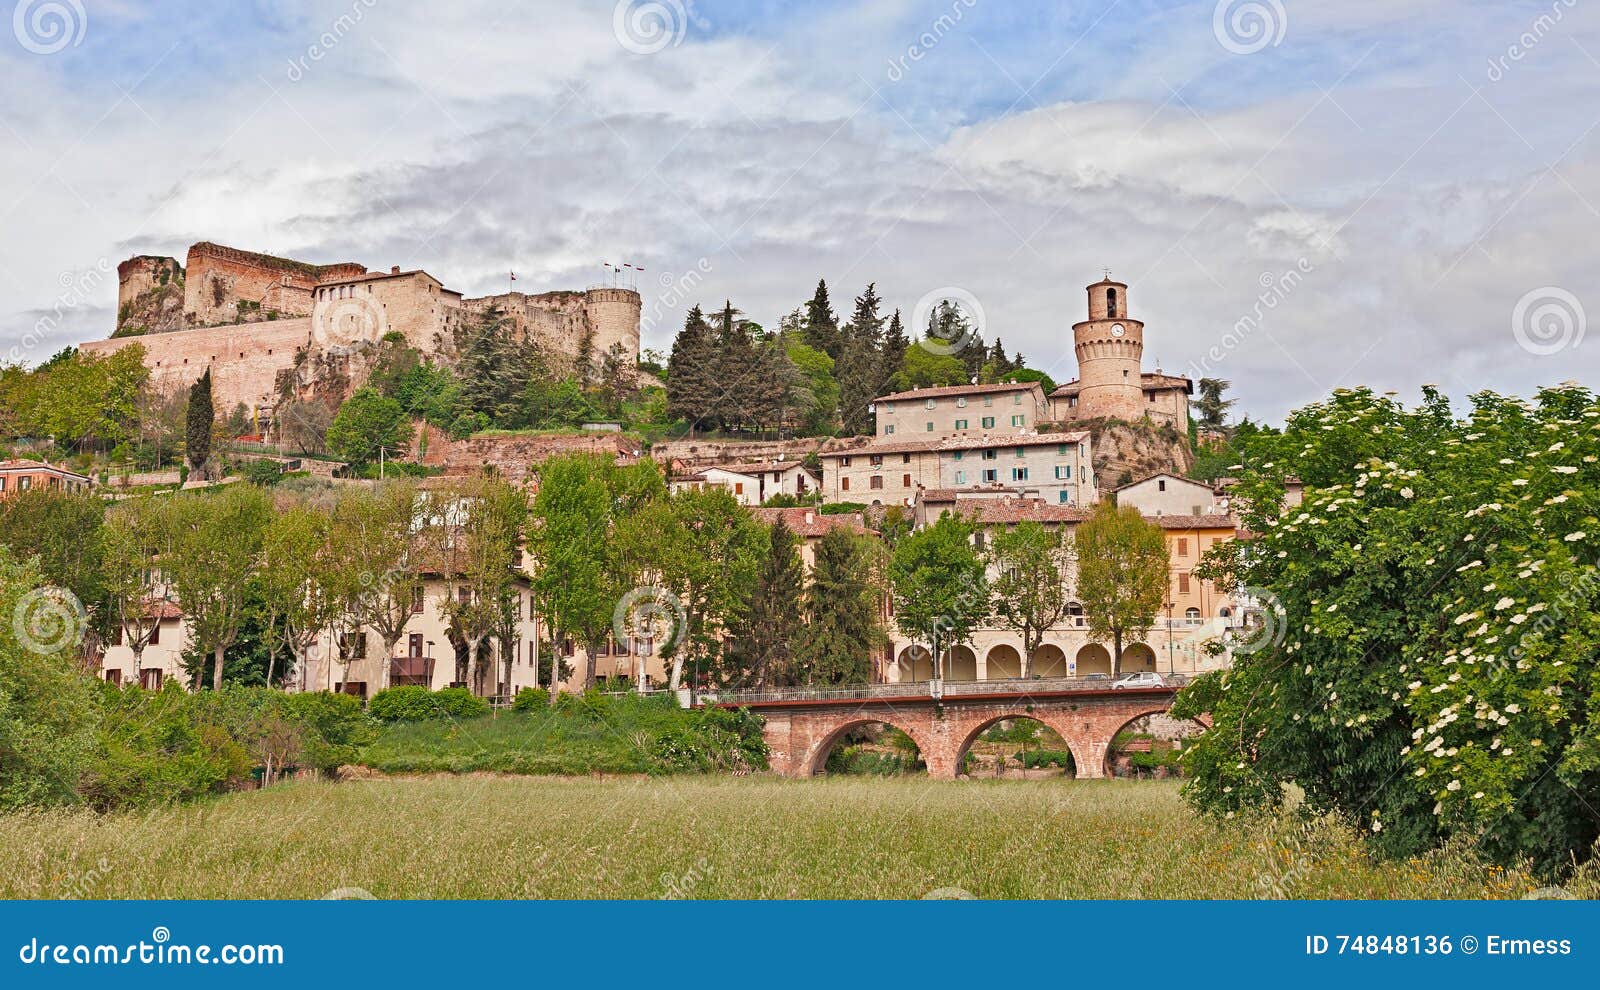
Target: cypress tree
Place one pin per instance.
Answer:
(692, 371)
(841, 612)
(737, 378)
(860, 363)
(761, 650)
(822, 326)
(895, 343)
(201, 417)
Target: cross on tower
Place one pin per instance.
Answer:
(1108, 274)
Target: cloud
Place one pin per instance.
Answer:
(1013, 163)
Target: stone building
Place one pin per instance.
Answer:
(1056, 467)
(930, 413)
(750, 484)
(1196, 612)
(264, 324)
(1111, 385)
(1171, 494)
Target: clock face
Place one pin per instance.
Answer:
(1118, 330)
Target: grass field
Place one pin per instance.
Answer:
(706, 837)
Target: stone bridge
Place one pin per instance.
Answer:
(945, 718)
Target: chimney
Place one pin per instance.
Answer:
(394, 269)
(811, 517)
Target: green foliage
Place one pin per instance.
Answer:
(366, 424)
(78, 400)
(941, 593)
(1035, 759)
(201, 419)
(413, 703)
(531, 700)
(841, 607)
(763, 638)
(62, 532)
(928, 367)
(1030, 585)
(1123, 574)
(262, 472)
(46, 708)
(583, 733)
(1434, 606)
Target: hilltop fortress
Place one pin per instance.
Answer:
(271, 327)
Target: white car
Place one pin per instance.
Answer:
(1142, 679)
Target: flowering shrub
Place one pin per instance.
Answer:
(1439, 592)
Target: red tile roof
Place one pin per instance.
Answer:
(992, 511)
(865, 446)
(1194, 522)
(1148, 380)
(809, 523)
(942, 390)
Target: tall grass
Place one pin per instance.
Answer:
(488, 836)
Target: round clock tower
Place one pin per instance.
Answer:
(1109, 348)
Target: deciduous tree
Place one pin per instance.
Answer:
(1031, 564)
(1123, 573)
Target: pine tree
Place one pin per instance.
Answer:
(202, 415)
(841, 612)
(692, 371)
(859, 366)
(895, 343)
(822, 326)
(494, 366)
(762, 645)
(739, 378)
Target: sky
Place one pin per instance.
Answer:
(1301, 196)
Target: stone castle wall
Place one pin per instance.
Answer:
(245, 360)
(227, 285)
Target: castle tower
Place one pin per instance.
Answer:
(614, 315)
(1109, 348)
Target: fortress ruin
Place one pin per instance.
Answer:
(269, 327)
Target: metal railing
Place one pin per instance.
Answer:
(909, 690)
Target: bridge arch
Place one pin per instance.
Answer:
(817, 756)
(1055, 721)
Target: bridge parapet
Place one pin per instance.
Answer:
(933, 690)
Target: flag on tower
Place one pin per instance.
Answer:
(513, 276)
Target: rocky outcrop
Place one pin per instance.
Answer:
(158, 309)
(1126, 452)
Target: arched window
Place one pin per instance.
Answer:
(1191, 615)
(1111, 302)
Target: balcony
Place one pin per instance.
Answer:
(411, 670)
